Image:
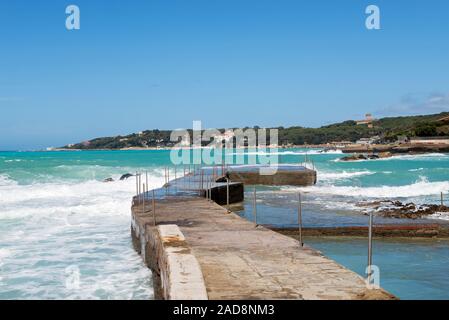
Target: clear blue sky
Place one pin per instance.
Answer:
(138, 65)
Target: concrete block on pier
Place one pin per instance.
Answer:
(181, 276)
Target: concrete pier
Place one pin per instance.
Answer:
(198, 250)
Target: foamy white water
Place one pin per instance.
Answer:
(417, 189)
(331, 176)
(70, 240)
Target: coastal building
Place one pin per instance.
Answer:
(367, 121)
(340, 144)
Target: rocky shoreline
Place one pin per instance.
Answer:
(379, 151)
(400, 210)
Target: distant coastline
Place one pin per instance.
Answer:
(351, 133)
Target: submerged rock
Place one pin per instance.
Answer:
(354, 157)
(108, 180)
(371, 156)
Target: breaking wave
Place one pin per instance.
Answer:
(6, 181)
(329, 176)
(420, 188)
(286, 153)
(57, 226)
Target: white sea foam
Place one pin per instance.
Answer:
(281, 153)
(417, 189)
(6, 181)
(4, 253)
(439, 216)
(53, 226)
(410, 157)
(330, 176)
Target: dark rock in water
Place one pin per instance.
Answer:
(126, 176)
(108, 180)
(354, 157)
(399, 210)
(371, 156)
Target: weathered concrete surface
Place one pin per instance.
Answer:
(240, 261)
(181, 276)
(176, 272)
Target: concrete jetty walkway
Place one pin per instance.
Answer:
(198, 250)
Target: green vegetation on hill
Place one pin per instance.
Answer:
(389, 129)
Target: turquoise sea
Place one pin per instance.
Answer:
(65, 234)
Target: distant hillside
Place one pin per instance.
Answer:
(387, 128)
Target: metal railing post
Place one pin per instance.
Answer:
(208, 190)
(137, 185)
(227, 194)
(255, 207)
(146, 178)
(370, 246)
(301, 243)
(143, 199)
(138, 189)
(154, 210)
(202, 179)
